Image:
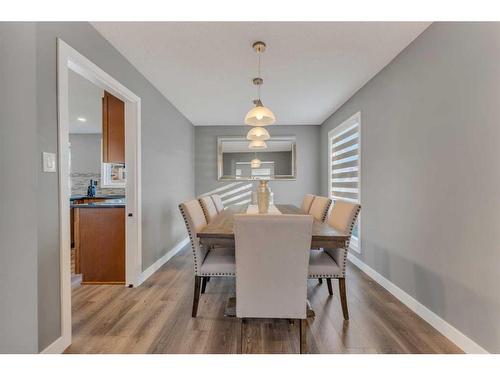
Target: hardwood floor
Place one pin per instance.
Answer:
(156, 318)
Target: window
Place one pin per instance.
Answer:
(113, 175)
(344, 158)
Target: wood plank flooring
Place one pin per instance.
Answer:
(156, 318)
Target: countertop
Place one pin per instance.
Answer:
(111, 201)
(75, 197)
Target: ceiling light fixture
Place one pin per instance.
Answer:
(257, 145)
(258, 134)
(255, 163)
(82, 119)
(259, 115)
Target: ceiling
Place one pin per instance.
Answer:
(84, 102)
(309, 68)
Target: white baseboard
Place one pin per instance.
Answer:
(160, 262)
(445, 328)
(57, 347)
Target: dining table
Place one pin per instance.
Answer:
(220, 232)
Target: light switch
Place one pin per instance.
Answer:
(49, 162)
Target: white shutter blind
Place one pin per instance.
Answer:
(344, 160)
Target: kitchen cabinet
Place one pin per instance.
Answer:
(113, 129)
(100, 244)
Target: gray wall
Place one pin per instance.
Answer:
(167, 160)
(284, 191)
(85, 153)
(18, 173)
(430, 176)
(167, 170)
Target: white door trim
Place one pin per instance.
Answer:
(68, 58)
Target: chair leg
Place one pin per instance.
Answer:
(204, 281)
(320, 281)
(329, 283)
(196, 297)
(343, 298)
(303, 336)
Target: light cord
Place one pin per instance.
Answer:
(258, 75)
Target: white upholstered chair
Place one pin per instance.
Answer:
(306, 203)
(272, 257)
(207, 262)
(331, 263)
(319, 207)
(209, 209)
(218, 203)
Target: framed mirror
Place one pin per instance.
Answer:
(235, 161)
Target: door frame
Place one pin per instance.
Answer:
(70, 59)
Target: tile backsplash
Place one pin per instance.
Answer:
(80, 182)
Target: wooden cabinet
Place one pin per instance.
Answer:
(113, 129)
(100, 244)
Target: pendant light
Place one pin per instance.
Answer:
(257, 145)
(259, 115)
(255, 163)
(258, 134)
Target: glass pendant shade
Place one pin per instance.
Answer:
(258, 134)
(255, 163)
(260, 116)
(257, 145)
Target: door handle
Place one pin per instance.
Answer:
(130, 214)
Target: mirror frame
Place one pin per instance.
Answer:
(221, 177)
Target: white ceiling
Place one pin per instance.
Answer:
(85, 102)
(309, 68)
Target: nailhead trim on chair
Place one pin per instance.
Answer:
(323, 217)
(194, 250)
(204, 207)
(190, 239)
(346, 249)
(325, 276)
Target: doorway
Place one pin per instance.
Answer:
(72, 64)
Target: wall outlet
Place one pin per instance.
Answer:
(49, 161)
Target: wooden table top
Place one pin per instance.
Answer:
(222, 226)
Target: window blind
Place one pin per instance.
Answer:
(344, 155)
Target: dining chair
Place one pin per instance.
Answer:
(218, 203)
(272, 256)
(208, 262)
(208, 207)
(331, 263)
(306, 202)
(319, 207)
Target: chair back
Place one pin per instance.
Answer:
(272, 258)
(208, 206)
(319, 208)
(343, 218)
(306, 203)
(218, 203)
(343, 215)
(195, 221)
